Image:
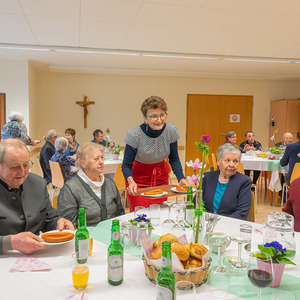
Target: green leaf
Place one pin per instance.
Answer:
(289, 253)
(283, 260)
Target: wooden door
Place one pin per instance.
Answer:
(210, 114)
(2, 112)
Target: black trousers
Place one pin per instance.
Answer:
(255, 175)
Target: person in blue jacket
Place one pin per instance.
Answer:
(226, 191)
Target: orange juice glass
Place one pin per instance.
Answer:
(80, 272)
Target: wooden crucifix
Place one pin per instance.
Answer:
(85, 104)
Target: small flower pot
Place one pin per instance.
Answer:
(277, 156)
(277, 271)
(115, 156)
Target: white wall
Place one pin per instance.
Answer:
(14, 83)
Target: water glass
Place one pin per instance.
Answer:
(155, 214)
(185, 290)
(80, 272)
(246, 232)
(139, 210)
(126, 235)
(282, 295)
(142, 228)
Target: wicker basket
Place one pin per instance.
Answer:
(197, 276)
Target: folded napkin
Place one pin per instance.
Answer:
(28, 264)
(81, 296)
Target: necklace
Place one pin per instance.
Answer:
(222, 180)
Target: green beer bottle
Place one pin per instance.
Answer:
(115, 256)
(165, 281)
(189, 207)
(82, 237)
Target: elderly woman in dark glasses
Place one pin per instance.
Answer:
(147, 147)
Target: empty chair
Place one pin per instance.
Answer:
(251, 215)
(214, 161)
(57, 181)
(240, 169)
(120, 183)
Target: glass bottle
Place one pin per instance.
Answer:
(165, 281)
(82, 237)
(189, 207)
(115, 256)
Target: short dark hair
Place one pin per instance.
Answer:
(248, 132)
(96, 132)
(70, 131)
(298, 135)
(152, 103)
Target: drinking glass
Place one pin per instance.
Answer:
(282, 295)
(238, 279)
(240, 240)
(126, 235)
(218, 281)
(185, 290)
(139, 210)
(178, 229)
(155, 214)
(260, 271)
(80, 272)
(142, 228)
(168, 223)
(246, 231)
(90, 229)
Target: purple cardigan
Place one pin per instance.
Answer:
(236, 200)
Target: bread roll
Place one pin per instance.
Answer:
(198, 250)
(167, 237)
(156, 253)
(182, 252)
(193, 262)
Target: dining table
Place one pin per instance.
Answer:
(271, 166)
(56, 281)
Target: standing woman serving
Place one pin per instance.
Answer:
(147, 147)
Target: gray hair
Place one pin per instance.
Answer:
(229, 134)
(15, 143)
(85, 151)
(51, 133)
(61, 143)
(16, 116)
(228, 149)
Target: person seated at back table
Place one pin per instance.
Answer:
(230, 137)
(290, 157)
(226, 191)
(65, 161)
(25, 208)
(251, 144)
(99, 139)
(72, 143)
(292, 205)
(47, 152)
(287, 140)
(90, 189)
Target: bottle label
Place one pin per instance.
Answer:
(165, 262)
(163, 293)
(115, 267)
(115, 235)
(83, 248)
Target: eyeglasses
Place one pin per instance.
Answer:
(156, 117)
(25, 166)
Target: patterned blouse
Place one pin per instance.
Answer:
(65, 163)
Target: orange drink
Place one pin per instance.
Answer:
(80, 276)
(90, 245)
(263, 155)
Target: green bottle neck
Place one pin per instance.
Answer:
(167, 254)
(115, 234)
(82, 221)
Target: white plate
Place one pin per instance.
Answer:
(51, 244)
(173, 189)
(154, 196)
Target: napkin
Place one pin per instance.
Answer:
(27, 264)
(80, 296)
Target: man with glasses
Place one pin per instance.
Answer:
(47, 152)
(99, 139)
(25, 209)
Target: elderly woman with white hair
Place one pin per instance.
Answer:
(15, 129)
(90, 189)
(226, 191)
(66, 162)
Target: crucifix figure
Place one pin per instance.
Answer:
(85, 104)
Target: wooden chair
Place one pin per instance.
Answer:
(251, 216)
(39, 165)
(295, 174)
(120, 183)
(57, 181)
(241, 169)
(207, 164)
(214, 161)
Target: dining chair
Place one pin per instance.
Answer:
(57, 181)
(251, 215)
(39, 165)
(240, 169)
(120, 183)
(295, 174)
(207, 164)
(214, 161)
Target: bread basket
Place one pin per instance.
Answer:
(197, 276)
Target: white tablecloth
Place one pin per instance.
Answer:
(264, 164)
(57, 283)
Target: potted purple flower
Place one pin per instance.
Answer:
(135, 221)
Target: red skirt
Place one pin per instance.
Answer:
(148, 176)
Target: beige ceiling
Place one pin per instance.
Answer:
(220, 28)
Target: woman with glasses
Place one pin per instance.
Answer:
(90, 189)
(147, 147)
(226, 191)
